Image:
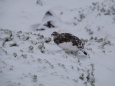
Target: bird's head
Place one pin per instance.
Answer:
(55, 34)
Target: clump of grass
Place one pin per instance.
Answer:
(40, 37)
(76, 81)
(34, 78)
(81, 76)
(39, 60)
(90, 32)
(62, 65)
(15, 54)
(19, 32)
(31, 47)
(39, 2)
(90, 75)
(102, 41)
(2, 51)
(47, 40)
(84, 40)
(34, 42)
(6, 39)
(51, 65)
(27, 38)
(24, 56)
(41, 47)
(82, 16)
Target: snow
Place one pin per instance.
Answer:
(30, 58)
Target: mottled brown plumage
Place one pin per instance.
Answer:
(68, 38)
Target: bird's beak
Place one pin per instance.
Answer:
(52, 34)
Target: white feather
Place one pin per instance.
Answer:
(68, 46)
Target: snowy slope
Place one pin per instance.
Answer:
(30, 58)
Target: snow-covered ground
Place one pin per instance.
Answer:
(29, 57)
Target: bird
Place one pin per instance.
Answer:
(68, 42)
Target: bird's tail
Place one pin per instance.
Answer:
(84, 52)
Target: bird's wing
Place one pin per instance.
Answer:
(76, 41)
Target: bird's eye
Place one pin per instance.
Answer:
(52, 34)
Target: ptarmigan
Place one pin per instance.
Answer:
(68, 42)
